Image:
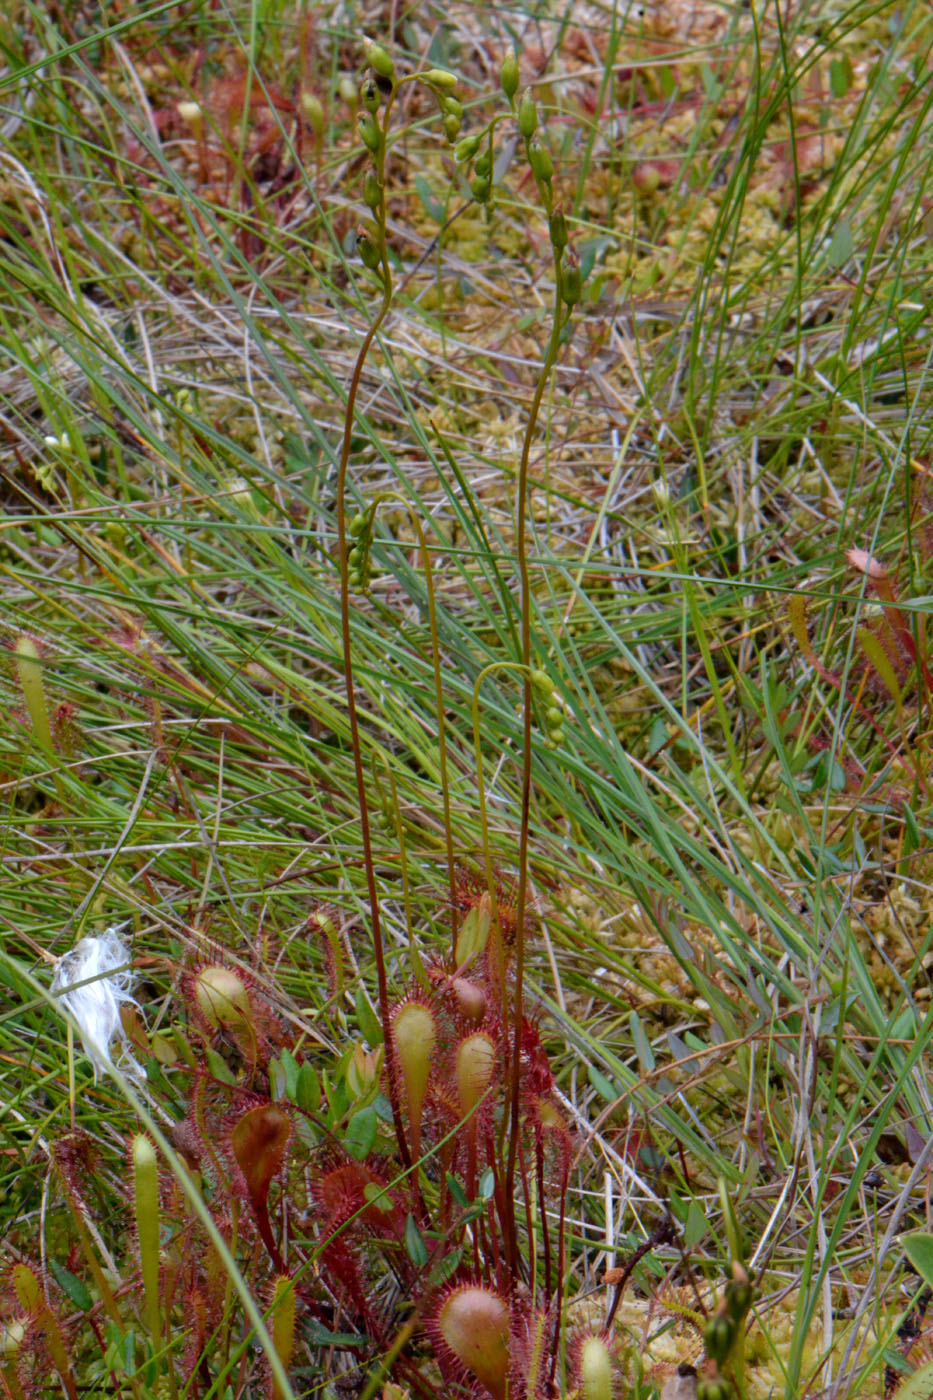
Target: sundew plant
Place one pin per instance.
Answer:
(465, 543)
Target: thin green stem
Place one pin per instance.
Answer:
(347, 644)
(550, 360)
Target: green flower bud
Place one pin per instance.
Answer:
(438, 77)
(480, 188)
(541, 681)
(369, 96)
(712, 1390)
(372, 191)
(527, 116)
(370, 133)
(558, 228)
(738, 1296)
(454, 107)
(554, 717)
(369, 252)
(357, 525)
(483, 165)
(467, 148)
(355, 558)
(508, 73)
(452, 126)
(718, 1337)
(313, 112)
(541, 163)
(572, 285)
(378, 60)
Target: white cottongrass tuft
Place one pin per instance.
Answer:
(96, 1005)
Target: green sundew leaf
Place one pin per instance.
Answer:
(919, 1250)
(361, 1133)
(658, 735)
(432, 204)
(919, 1386)
(218, 1067)
(366, 1018)
(320, 1336)
(882, 663)
(446, 1267)
(642, 1044)
(290, 1066)
(308, 1090)
(667, 81)
(457, 1191)
(603, 1086)
(841, 245)
(414, 1244)
(840, 76)
(72, 1287)
(696, 1225)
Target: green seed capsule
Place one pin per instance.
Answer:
(357, 525)
(438, 77)
(483, 165)
(378, 59)
(369, 96)
(718, 1337)
(542, 681)
(508, 73)
(541, 163)
(453, 107)
(527, 116)
(452, 125)
(480, 188)
(558, 229)
(572, 286)
(467, 148)
(370, 134)
(368, 252)
(554, 716)
(372, 191)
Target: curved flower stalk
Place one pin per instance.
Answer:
(93, 981)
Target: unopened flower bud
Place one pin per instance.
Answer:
(313, 112)
(558, 229)
(369, 96)
(372, 191)
(378, 60)
(368, 252)
(480, 187)
(508, 74)
(527, 116)
(452, 124)
(541, 163)
(453, 107)
(439, 77)
(192, 115)
(370, 134)
(571, 285)
(466, 149)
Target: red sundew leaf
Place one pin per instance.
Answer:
(259, 1141)
(866, 563)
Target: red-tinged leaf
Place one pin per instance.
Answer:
(259, 1141)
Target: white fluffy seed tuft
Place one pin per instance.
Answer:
(101, 964)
